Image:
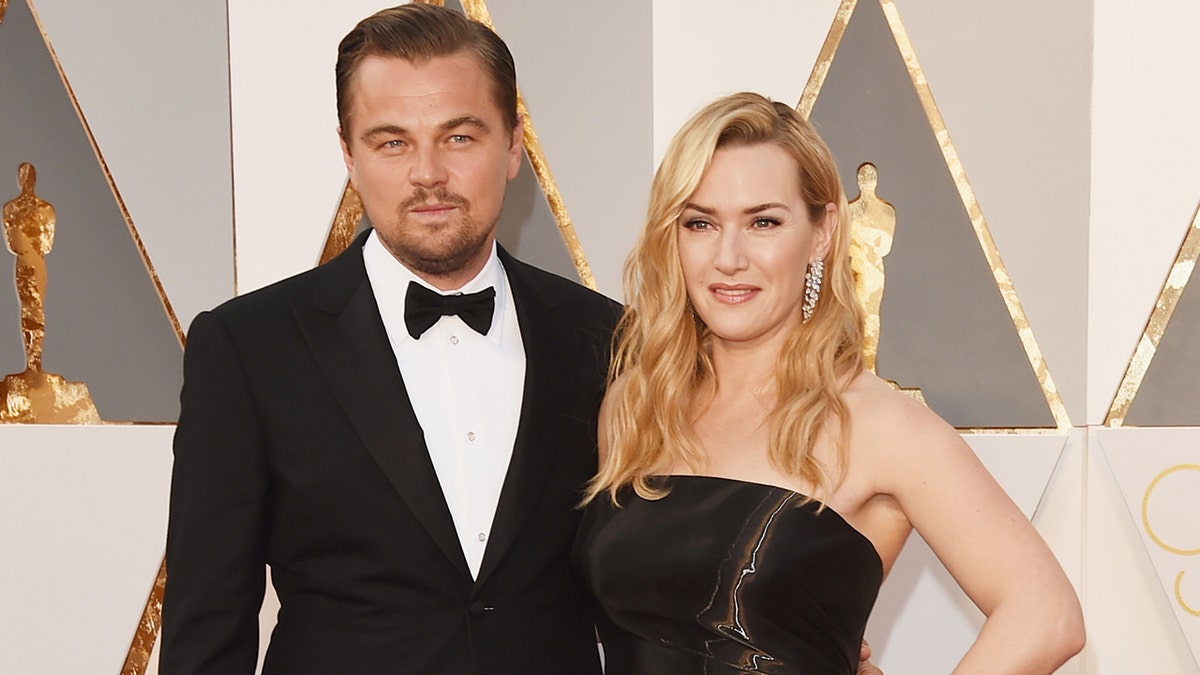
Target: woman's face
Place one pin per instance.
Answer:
(745, 239)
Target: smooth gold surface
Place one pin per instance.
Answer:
(133, 233)
(872, 228)
(34, 396)
(140, 649)
(1143, 354)
(345, 224)
(999, 273)
(3, 9)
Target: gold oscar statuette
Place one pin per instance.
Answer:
(872, 228)
(34, 396)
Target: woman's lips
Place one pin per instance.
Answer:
(733, 294)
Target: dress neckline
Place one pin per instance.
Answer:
(672, 477)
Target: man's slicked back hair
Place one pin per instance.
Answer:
(418, 32)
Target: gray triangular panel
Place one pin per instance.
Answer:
(105, 324)
(1169, 394)
(945, 328)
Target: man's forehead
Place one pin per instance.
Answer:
(429, 92)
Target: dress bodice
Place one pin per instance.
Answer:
(725, 576)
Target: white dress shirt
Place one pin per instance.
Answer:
(465, 388)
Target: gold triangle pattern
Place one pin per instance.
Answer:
(349, 212)
(954, 164)
(1143, 354)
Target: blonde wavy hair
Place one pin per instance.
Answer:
(662, 351)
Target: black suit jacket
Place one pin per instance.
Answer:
(298, 447)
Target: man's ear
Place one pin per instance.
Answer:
(346, 156)
(516, 148)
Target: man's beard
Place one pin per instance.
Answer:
(411, 245)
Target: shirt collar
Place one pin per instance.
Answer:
(390, 278)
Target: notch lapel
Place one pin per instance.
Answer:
(350, 344)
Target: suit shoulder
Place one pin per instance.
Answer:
(565, 291)
(271, 302)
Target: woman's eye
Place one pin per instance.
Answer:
(697, 224)
(765, 223)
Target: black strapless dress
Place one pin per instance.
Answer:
(724, 576)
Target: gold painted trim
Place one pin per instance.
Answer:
(999, 273)
(1156, 325)
(1179, 596)
(1146, 509)
(138, 657)
(345, 223)
(1013, 431)
(816, 79)
(87, 129)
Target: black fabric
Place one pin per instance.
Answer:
(723, 576)
(297, 447)
(423, 308)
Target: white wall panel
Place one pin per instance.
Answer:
(703, 50)
(83, 521)
(287, 165)
(1145, 173)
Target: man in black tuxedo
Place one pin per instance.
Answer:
(402, 433)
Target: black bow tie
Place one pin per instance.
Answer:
(423, 308)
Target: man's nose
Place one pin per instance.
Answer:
(429, 168)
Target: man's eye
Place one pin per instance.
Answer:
(459, 138)
(393, 144)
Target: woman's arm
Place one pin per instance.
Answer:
(1034, 622)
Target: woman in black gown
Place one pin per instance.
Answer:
(756, 483)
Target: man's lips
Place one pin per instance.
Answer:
(433, 209)
(733, 294)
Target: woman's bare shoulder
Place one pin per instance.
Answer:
(887, 421)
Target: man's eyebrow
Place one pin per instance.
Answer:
(390, 129)
(464, 121)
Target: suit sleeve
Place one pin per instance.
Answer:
(217, 526)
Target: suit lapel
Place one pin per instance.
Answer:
(348, 340)
(544, 390)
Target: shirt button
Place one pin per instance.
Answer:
(481, 537)
(453, 339)
(470, 435)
